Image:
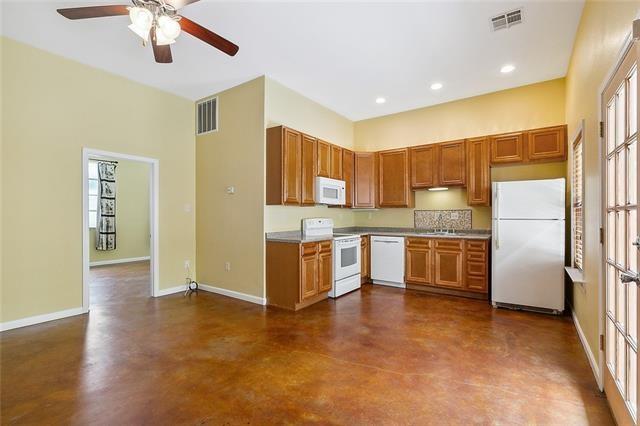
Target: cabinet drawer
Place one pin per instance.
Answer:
(325, 246)
(476, 246)
(418, 242)
(476, 268)
(475, 256)
(455, 245)
(477, 283)
(309, 249)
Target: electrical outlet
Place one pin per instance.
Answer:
(187, 264)
(227, 266)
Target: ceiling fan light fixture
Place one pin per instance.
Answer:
(168, 27)
(141, 21)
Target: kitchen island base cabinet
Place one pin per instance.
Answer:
(298, 274)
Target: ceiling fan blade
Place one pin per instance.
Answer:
(93, 11)
(208, 36)
(180, 3)
(161, 53)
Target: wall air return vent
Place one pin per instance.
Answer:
(207, 116)
(506, 20)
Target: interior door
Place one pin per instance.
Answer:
(620, 112)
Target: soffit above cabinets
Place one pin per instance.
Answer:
(342, 55)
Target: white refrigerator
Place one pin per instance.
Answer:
(528, 248)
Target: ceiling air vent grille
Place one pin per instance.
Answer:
(506, 20)
(207, 116)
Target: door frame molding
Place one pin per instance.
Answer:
(154, 186)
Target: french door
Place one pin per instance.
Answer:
(620, 112)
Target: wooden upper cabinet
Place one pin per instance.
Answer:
(364, 180)
(547, 144)
(347, 175)
(507, 148)
(336, 162)
(423, 166)
(284, 166)
(452, 163)
(393, 178)
(478, 172)
(309, 167)
(324, 158)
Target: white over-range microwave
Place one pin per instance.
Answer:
(330, 191)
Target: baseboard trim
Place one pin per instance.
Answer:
(38, 319)
(116, 261)
(171, 290)
(235, 294)
(587, 349)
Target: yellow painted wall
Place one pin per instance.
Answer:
(230, 227)
(536, 105)
(132, 214)
(57, 107)
(601, 33)
(283, 106)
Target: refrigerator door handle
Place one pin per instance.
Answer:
(497, 204)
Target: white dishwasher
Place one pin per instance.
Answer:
(387, 261)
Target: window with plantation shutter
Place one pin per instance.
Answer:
(577, 205)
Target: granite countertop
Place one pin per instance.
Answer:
(296, 236)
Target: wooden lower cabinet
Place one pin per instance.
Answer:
(298, 274)
(452, 266)
(365, 259)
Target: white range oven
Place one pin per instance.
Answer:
(346, 264)
(346, 254)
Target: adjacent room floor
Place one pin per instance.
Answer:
(381, 355)
(119, 283)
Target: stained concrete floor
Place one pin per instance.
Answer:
(376, 356)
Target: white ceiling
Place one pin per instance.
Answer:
(342, 54)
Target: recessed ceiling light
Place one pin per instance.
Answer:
(436, 86)
(506, 69)
(380, 100)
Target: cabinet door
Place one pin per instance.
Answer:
(507, 148)
(452, 163)
(364, 180)
(324, 158)
(336, 162)
(325, 267)
(364, 258)
(393, 178)
(292, 167)
(478, 172)
(347, 176)
(309, 271)
(309, 164)
(419, 261)
(423, 167)
(547, 144)
(448, 263)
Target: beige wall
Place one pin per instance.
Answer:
(132, 214)
(283, 106)
(59, 106)
(230, 227)
(526, 107)
(601, 34)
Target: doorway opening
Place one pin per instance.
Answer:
(120, 227)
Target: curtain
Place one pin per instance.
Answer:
(106, 221)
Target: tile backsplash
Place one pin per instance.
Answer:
(442, 219)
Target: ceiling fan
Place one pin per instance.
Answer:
(158, 21)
